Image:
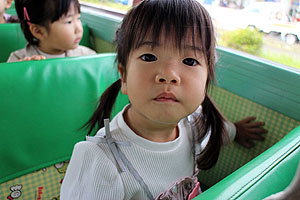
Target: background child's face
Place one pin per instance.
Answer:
(64, 34)
(164, 84)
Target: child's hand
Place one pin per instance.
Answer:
(34, 57)
(248, 130)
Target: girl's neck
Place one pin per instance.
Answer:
(50, 52)
(152, 131)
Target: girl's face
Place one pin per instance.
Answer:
(164, 84)
(63, 34)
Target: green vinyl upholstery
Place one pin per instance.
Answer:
(43, 105)
(12, 39)
(270, 172)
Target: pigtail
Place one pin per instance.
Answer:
(104, 108)
(211, 120)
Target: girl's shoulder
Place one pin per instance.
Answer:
(91, 167)
(87, 147)
(27, 51)
(93, 152)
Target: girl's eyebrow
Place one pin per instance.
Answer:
(155, 44)
(70, 15)
(149, 43)
(192, 47)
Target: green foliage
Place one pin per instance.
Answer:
(109, 3)
(282, 58)
(246, 40)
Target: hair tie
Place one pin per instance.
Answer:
(26, 16)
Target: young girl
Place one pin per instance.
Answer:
(154, 147)
(52, 28)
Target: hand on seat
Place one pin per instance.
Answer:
(247, 130)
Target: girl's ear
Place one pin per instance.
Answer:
(39, 32)
(123, 79)
(8, 4)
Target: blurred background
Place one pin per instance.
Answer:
(266, 29)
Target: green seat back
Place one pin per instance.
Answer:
(12, 39)
(43, 105)
(267, 174)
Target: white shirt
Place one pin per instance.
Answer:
(93, 173)
(31, 50)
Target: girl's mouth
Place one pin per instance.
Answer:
(166, 97)
(77, 40)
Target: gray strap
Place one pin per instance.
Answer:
(136, 175)
(95, 139)
(194, 131)
(113, 146)
(101, 139)
(122, 160)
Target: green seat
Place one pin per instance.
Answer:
(267, 174)
(12, 39)
(43, 105)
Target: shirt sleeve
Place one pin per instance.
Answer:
(91, 175)
(231, 130)
(13, 58)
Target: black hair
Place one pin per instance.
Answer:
(151, 18)
(41, 12)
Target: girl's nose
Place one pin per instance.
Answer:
(167, 77)
(78, 27)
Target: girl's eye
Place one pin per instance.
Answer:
(69, 22)
(148, 58)
(190, 62)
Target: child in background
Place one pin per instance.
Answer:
(154, 147)
(52, 29)
(6, 18)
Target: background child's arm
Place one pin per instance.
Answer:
(247, 130)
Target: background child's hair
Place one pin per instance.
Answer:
(179, 18)
(41, 12)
